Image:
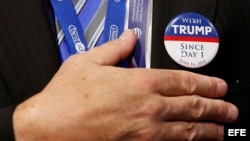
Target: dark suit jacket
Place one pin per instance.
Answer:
(29, 56)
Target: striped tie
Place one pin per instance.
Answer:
(91, 14)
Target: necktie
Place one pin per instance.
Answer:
(91, 14)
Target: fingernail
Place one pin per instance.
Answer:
(232, 113)
(221, 132)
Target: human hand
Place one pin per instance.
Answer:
(90, 100)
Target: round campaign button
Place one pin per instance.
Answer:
(191, 40)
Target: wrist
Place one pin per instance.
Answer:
(24, 122)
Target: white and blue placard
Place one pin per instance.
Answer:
(130, 14)
(191, 40)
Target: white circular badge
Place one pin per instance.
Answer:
(191, 40)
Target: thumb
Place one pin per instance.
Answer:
(112, 52)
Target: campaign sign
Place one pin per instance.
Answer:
(191, 40)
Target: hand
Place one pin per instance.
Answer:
(90, 100)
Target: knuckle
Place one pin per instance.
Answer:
(212, 86)
(152, 108)
(149, 134)
(189, 83)
(190, 131)
(196, 107)
(144, 80)
(221, 110)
